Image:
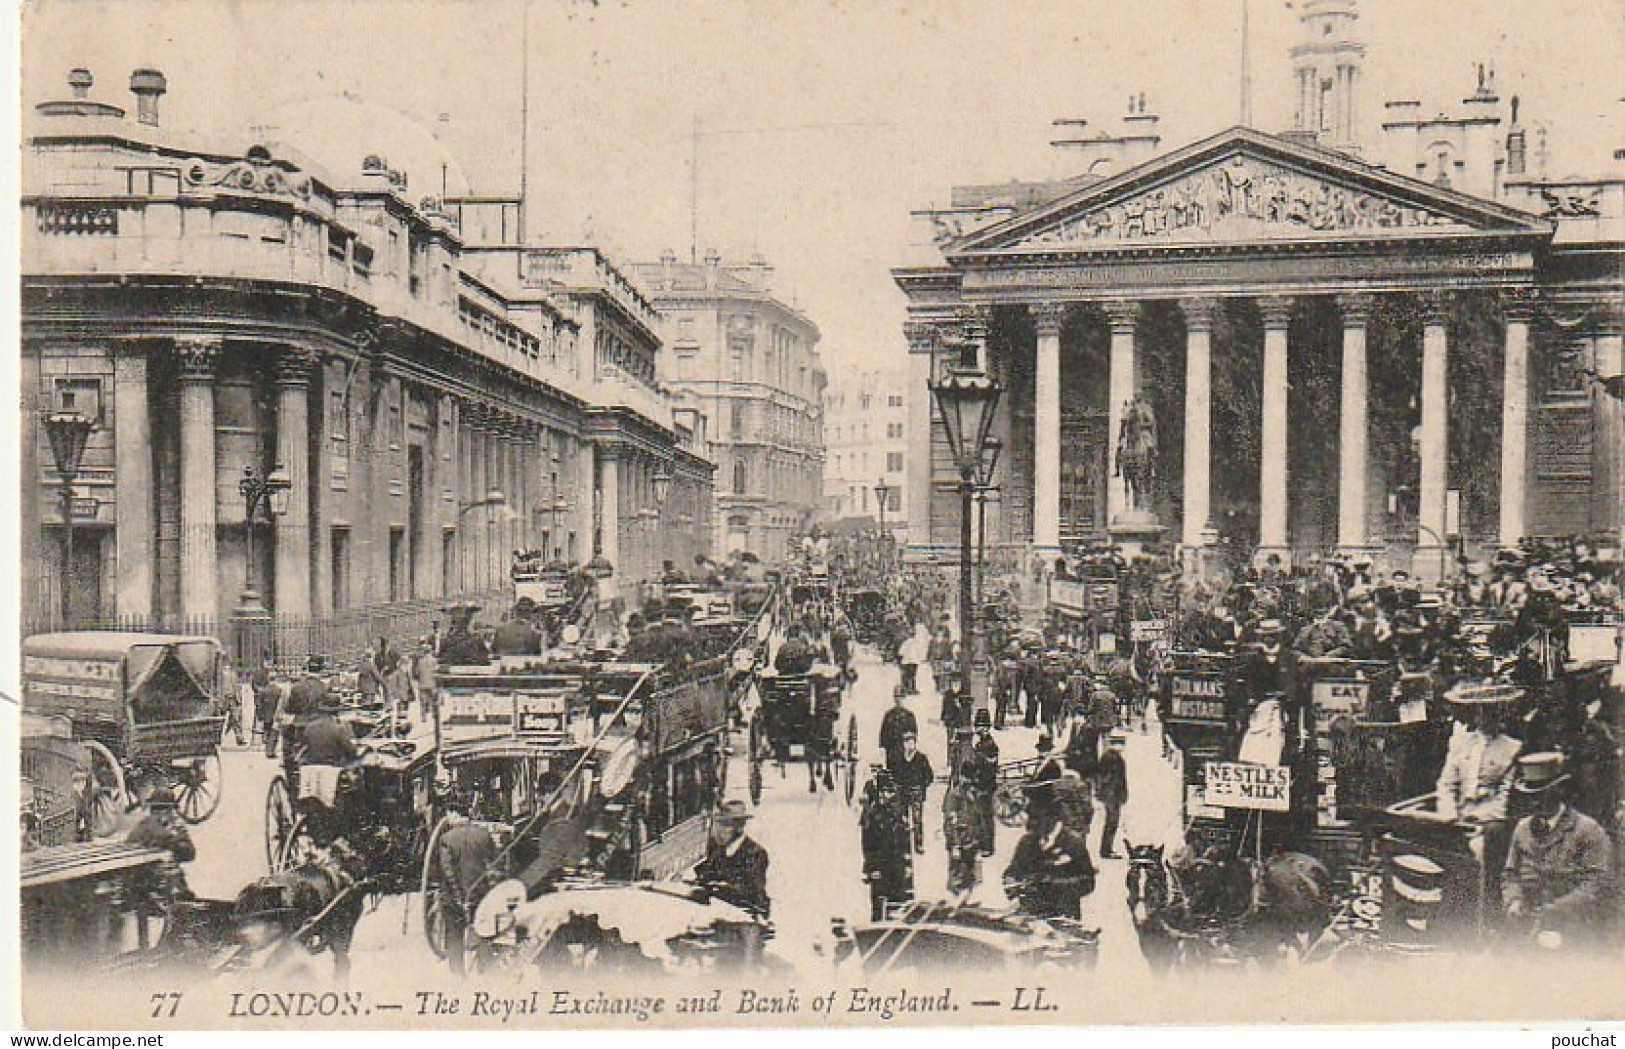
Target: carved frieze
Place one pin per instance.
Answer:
(1239, 198)
(256, 173)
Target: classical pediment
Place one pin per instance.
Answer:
(1244, 187)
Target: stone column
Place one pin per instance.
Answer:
(478, 486)
(1123, 318)
(200, 567)
(1610, 413)
(1199, 314)
(293, 452)
(609, 516)
(132, 447)
(1515, 419)
(1047, 320)
(1272, 480)
(1435, 444)
(921, 342)
(1353, 423)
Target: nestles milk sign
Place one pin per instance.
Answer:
(1235, 785)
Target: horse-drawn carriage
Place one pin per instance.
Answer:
(1278, 792)
(145, 707)
(866, 608)
(934, 937)
(803, 712)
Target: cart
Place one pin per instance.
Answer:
(802, 711)
(75, 897)
(144, 706)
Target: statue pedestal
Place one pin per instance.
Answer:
(1134, 530)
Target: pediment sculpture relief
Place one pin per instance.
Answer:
(1238, 199)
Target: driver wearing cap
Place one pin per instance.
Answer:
(735, 866)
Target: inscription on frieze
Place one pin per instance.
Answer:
(1242, 198)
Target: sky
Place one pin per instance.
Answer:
(821, 123)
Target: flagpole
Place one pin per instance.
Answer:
(1246, 68)
(524, 113)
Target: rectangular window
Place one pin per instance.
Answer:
(894, 462)
(397, 564)
(81, 394)
(341, 568)
(894, 430)
(894, 401)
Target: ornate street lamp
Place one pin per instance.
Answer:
(966, 400)
(662, 483)
(560, 507)
(69, 434)
(883, 493)
(268, 490)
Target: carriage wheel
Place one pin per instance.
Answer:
(755, 754)
(279, 822)
(105, 791)
(851, 762)
(197, 787)
(432, 894)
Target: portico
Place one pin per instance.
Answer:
(1304, 329)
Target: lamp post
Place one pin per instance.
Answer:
(662, 487)
(965, 401)
(883, 493)
(985, 487)
(251, 620)
(258, 490)
(69, 433)
(560, 507)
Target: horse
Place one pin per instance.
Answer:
(1224, 907)
(1151, 887)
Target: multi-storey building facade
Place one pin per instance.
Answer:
(866, 446)
(1390, 347)
(751, 363)
(432, 406)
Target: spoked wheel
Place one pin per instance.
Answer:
(756, 745)
(105, 794)
(432, 893)
(280, 819)
(197, 787)
(850, 763)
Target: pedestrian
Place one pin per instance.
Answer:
(898, 722)
(265, 701)
(467, 861)
(962, 832)
(913, 776)
(981, 774)
(1111, 789)
(1557, 868)
(886, 838)
(910, 654)
(1050, 872)
(232, 689)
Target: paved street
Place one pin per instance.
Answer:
(812, 838)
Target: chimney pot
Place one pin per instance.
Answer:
(80, 81)
(147, 85)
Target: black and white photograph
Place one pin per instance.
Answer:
(693, 514)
